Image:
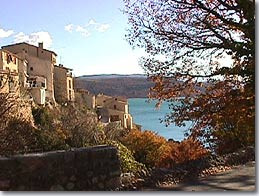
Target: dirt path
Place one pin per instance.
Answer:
(240, 178)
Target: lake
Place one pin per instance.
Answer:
(148, 116)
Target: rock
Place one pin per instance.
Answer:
(4, 184)
(94, 180)
(115, 173)
(21, 188)
(102, 177)
(56, 188)
(90, 174)
(101, 186)
(70, 186)
(72, 178)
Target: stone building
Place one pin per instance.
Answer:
(23, 75)
(40, 63)
(84, 97)
(37, 89)
(114, 109)
(63, 84)
(9, 77)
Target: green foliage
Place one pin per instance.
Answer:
(18, 137)
(42, 117)
(127, 160)
(51, 140)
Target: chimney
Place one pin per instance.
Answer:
(41, 45)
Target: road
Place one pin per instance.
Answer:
(240, 178)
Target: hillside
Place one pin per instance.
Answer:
(130, 86)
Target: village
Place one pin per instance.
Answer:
(34, 69)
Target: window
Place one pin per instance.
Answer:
(43, 84)
(31, 68)
(114, 118)
(11, 84)
(69, 84)
(115, 107)
(70, 95)
(1, 81)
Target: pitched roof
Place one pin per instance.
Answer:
(28, 45)
(62, 67)
(18, 57)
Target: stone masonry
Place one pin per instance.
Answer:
(82, 169)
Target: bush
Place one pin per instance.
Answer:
(49, 140)
(19, 136)
(81, 127)
(154, 150)
(187, 150)
(43, 118)
(147, 147)
(127, 160)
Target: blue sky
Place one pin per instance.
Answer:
(87, 35)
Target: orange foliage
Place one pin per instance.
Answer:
(188, 149)
(154, 150)
(146, 146)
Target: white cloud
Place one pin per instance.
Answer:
(92, 22)
(86, 30)
(5, 33)
(34, 38)
(102, 27)
(83, 31)
(69, 27)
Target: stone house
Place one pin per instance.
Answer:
(36, 86)
(114, 109)
(40, 62)
(23, 75)
(63, 84)
(9, 77)
(83, 96)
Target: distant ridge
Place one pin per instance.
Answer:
(113, 75)
(127, 85)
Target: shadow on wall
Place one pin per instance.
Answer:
(82, 169)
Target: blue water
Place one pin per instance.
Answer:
(148, 116)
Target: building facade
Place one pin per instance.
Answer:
(36, 86)
(40, 62)
(63, 84)
(9, 77)
(84, 97)
(114, 109)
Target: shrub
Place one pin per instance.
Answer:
(147, 147)
(187, 150)
(81, 127)
(19, 136)
(154, 150)
(127, 160)
(49, 140)
(43, 118)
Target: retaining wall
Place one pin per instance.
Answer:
(82, 169)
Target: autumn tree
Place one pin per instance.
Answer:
(201, 56)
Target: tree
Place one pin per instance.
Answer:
(185, 42)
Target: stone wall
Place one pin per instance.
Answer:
(82, 169)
